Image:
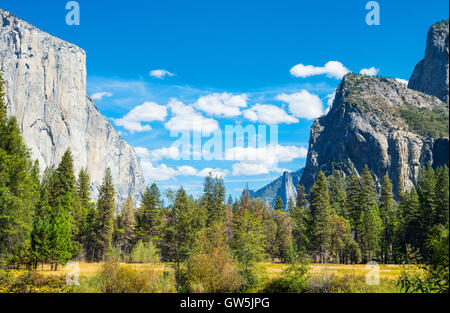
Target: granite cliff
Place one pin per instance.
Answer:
(46, 91)
(382, 123)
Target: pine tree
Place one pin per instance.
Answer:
(183, 235)
(213, 199)
(387, 214)
(279, 205)
(321, 216)
(17, 189)
(354, 202)
(63, 181)
(301, 200)
(442, 196)
(410, 228)
(60, 236)
(124, 233)
(337, 194)
(105, 215)
(426, 190)
(370, 228)
(149, 219)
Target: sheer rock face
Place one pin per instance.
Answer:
(431, 74)
(46, 91)
(365, 126)
(285, 186)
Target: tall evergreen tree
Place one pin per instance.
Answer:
(213, 199)
(370, 228)
(124, 234)
(353, 203)
(181, 221)
(149, 219)
(337, 194)
(426, 190)
(17, 194)
(321, 216)
(442, 196)
(105, 215)
(387, 214)
(302, 197)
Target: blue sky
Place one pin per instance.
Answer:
(226, 63)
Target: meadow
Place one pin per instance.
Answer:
(160, 277)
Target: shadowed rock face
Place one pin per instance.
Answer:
(431, 74)
(372, 121)
(46, 91)
(285, 186)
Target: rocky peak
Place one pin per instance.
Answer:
(285, 186)
(379, 122)
(46, 91)
(431, 74)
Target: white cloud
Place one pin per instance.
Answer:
(222, 104)
(333, 69)
(255, 161)
(330, 100)
(303, 104)
(160, 74)
(146, 112)
(100, 95)
(163, 172)
(186, 118)
(403, 81)
(171, 152)
(158, 173)
(268, 114)
(191, 171)
(372, 71)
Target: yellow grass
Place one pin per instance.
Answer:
(389, 271)
(88, 269)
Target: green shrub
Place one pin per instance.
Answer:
(144, 253)
(294, 279)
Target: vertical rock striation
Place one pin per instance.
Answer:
(46, 91)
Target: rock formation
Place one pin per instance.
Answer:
(382, 123)
(431, 74)
(46, 91)
(285, 186)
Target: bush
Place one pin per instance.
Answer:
(31, 282)
(349, 284)
(144, 253)
(211, 267)
(294, 279)
(120, 278)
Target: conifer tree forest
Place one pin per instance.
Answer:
(50, 218)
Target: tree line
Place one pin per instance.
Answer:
(49, 218)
